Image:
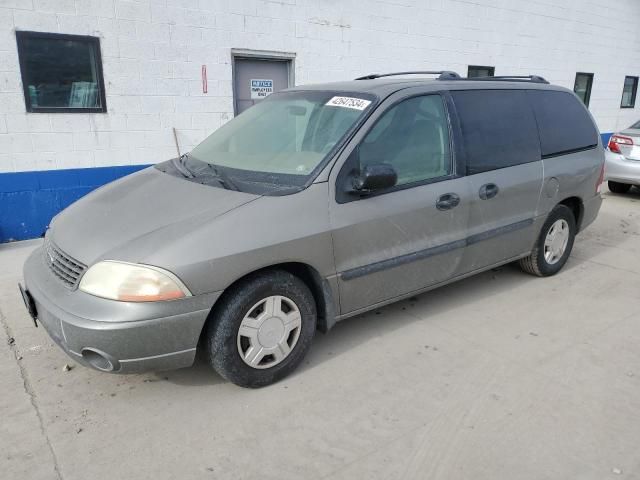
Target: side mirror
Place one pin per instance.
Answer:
(374, 177)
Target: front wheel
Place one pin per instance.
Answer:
(617, 187)
(554, 244)
(262, 329)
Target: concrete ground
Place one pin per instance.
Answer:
(500, 376)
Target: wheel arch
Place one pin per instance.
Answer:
(576, 205)
(320, 289)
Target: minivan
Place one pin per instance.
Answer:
(318, 203)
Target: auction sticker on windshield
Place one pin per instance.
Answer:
(349, 102)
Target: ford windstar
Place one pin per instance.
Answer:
(318, 203)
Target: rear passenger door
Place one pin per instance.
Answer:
(504, 170)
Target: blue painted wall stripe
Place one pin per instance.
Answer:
(28, 200)
(605, 138)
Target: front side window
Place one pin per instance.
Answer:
(61, 73)
(412, 137)
(281, 141)
(629, 92)
(582, 86)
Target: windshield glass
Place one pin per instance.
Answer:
(635, 125)
(281, 140)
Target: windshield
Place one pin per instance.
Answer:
(635, 125)
(280, 141)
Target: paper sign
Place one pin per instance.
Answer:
(349, 102)
(261, 88)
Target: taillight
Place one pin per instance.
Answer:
(616, 140)
(600, 179)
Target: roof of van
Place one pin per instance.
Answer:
(388, 85)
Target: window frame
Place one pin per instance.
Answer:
(456, 169)
(486, 67)
(634, 91)
(23, 35)
(587, 93)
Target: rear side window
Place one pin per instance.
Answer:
(498, 129)
(563, 122)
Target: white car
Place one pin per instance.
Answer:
(623, 159)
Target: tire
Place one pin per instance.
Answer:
(617, 187)
(537, 263)
(249, 305)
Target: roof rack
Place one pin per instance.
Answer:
(510, 78)
(443, 74)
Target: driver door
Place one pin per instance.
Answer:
(402, 239)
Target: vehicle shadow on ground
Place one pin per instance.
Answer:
(633, 194)
(199, 374)
(383, 321)
(360, 329)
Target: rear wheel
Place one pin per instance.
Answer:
(262, 329)
(617, 187)
(554, 244)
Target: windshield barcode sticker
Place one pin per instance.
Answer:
(349, 102)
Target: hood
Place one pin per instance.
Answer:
(102, 223)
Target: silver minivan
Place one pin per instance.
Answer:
(319, 203)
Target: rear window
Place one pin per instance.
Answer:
(498, 129)
(563, 122)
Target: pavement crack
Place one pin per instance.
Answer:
(28, 388)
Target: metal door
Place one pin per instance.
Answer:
(256, 78)
(392, 244)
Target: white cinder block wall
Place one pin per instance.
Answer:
(153, 50)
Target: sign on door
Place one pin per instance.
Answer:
(260, 88)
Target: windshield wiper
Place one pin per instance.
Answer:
(224, 180)
(181, 165)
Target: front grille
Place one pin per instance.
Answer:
(63, 266)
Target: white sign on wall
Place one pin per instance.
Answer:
(260, 88)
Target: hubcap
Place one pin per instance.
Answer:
(269, 331)
(556, 241)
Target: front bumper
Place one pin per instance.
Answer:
(119, 337)
(620, 169)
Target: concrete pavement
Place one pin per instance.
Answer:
(500, 376)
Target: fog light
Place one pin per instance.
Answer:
(99, 360)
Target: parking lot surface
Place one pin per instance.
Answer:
(500, 376)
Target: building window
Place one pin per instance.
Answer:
(480, 71)
(629, 92)
(582, 86)
(61, 73)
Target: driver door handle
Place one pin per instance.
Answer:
(488, 190)
(447, 201)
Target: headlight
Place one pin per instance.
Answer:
(129, 282)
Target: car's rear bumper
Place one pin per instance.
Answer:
(590, 211)
(620, 169)
(119, 337)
